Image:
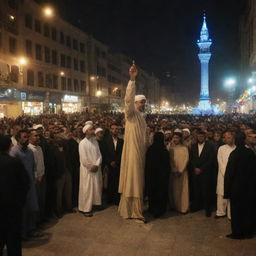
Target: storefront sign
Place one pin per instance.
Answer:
(70, 98)
(9, 94)
(35, 96)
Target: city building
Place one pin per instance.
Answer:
(43, 61)
(48, 65)
(246, 103)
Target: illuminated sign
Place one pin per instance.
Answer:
(70, 98)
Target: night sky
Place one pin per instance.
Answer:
(161, 36)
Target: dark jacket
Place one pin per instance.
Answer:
(206, 160)
(112, 154)
(14, 184)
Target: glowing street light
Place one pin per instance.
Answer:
(250, 80)
(92, 78)
(230, 82)
(11, 17)
(23, 61)
(62, 73)
(98, 93)
(48, 11)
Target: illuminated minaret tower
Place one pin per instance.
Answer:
(204, 55)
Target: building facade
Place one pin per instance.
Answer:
(48, 65)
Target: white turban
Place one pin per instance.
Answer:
(177, 130)
(139, 98)
(186, 130)
(89, 122)
(37, 126)
(98, 130)
(86, 127)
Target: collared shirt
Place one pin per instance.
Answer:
(200, 148)
(115, 142)
(39, 159)
(14, 141)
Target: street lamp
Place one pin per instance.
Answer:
(230, 83)
(48, 11)
(62, 73)
(22, 62)
(98, 93)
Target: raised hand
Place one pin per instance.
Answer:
(133, 72)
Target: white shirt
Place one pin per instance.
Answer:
(14, 141)
(39, 159)
(223, 156)
(115, 142)
(200, 148)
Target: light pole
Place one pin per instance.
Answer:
(230, 84)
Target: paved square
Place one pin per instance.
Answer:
(107, 234)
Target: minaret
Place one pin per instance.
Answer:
(204, 56)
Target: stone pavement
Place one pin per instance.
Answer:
(107, 234)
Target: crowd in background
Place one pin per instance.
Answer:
(189, 165)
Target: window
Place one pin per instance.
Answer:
(55, 81)
(28, 21)
(47, 55)
(12, 45)
(11, 25)
(68, 62)
(48, 81)
(63, 60)
(54, 34)
(82, 86)
(75, 64)
(30, 77)
(68, 41)
(40, 78)
(46, 30)
(63, 83)
(75, 44)
(76, 86)
(82, 48)
(14, 76)
(29, 52)
(39, 52)
(38, 28)
(62, 38)
(69, 84)
(54, 57)
(82, 66)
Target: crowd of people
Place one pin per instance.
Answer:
(51, 165)
(191, 163)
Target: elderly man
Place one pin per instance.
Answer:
(90, 189)
(131, 183)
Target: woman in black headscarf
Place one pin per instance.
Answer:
(157, 172)
(239, 187)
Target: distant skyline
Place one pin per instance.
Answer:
(162, 35)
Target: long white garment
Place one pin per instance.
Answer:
(90, 188)
(39, 159)
(223, 155)
(223, 205)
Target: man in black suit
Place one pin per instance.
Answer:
(113, 147)
(14, 185)
(202, 176)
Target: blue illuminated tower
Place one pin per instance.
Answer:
(204, 55)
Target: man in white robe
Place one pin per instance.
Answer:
(131, 182)
(90, 189)
(223, 205)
